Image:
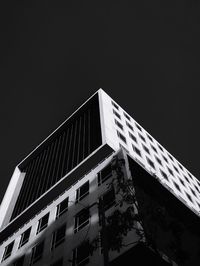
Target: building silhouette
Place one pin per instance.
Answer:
(98, 191)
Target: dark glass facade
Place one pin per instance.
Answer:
(77, 138)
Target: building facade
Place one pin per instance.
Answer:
(66, 198)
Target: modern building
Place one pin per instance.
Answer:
(97, 191)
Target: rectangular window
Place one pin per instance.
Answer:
(58, 236)
(81, 254)
(115, 105)
(108, 199)
(62, 208)
(104, 174)
(82, 192)
(145, 148)
(128, 125)
(142, 137)
(176, 168)
(116, 114)
(164, 175)
(153, 148)
(139, 127)
(127, 116)
(37, 252)
(170, 171)
(151, 139)
(165, 158)
(176, 185)
(119, 124)
(25, 237)
(8, 251)
(158, 160)
(189, 197)
(81, 219)
(19, 262)
(132, 137)
(150, 163)
(135, 149)
(170, 156)
(43, 222)
(121, 136)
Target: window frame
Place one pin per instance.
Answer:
(80, 196)
(77, 225)
(22, 241)
(60, 213)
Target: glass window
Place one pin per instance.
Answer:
(158, 160)
(81, 254)
(117, 114)
(62, 208)
(170, 171)
(58, 236)
(150, 163)
(165, 158)
(153, 148)
(108, 199)
(176, 168)
(37, 252)
(82, 192)
(127, 116)
(136, 150)
(119, 124)
(25, 237)
(129, 125)
(164, 174)
(104, 174)
(121, 137)
(132, 137)
(142, 137)
(145, 148)
(139, 127)
(176, 185)
(43, 222)
(19, 262)
(115, 105)
(8, 251)
(81, 219)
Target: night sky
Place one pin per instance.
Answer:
(55, 54)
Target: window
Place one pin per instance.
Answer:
(123, 148)
(19, 262)
(8, 251)
(193, 192)
(138, 127)
(58, 236)
(170, 157)
(81, 254)
(165, 158)
(145, 148)
(104, 174)
(151, 139)
(132, 137)
(117, 114)
(43, 222)
(81, 219)
(136, 150)
(62, 208)
(121, 136)
(180, 166)
(142, 137)
(153, 148)
(197, 188)
(182, 182)
(115, 105)
(170, 171)
(164, 174)
(176, 168)
(150, 163)
(58, 263)
(161, 148)
(158, 160)
(127, 116)
(129, 125)
(37, 252)
(82, 192)
(176, 185)
(188, 196)
(25, 237)
(119, 124)
(108, 199)
(186, 179)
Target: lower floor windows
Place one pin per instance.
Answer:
(81, 254)
(19, 262)
(8, 251)
(81, 219)
(58, 236)
(37, 252)
(108, 199)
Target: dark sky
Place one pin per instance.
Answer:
(55, 54)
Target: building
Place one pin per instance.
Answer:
(100, 189)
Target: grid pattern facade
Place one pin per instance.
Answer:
(154, 157)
